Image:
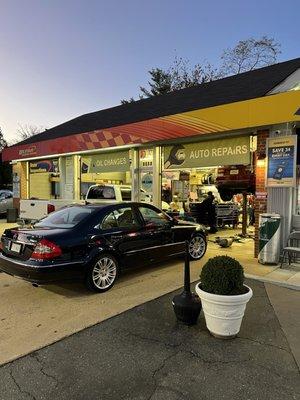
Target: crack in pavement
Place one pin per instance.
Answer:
(19, 387)
(264, 344)
(206, 361)
(42, 370)
(157, 370)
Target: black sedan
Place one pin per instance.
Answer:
(94, 242)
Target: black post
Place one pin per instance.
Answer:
(187, 306)
(187, 280)
(244, 215)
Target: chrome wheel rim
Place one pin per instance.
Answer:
(197, 247)
(104, 273)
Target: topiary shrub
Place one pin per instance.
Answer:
(223, 275)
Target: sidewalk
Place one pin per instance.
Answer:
(289, 276)
(145, 354)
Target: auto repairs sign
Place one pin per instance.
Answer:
(208, 154)
(281, 161)
(106, 162)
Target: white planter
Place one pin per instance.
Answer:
(223, 314)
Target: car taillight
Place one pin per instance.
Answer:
(50, 208)
(46, 250)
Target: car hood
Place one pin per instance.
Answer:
(198, 227)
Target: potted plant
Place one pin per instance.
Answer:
(223, 295)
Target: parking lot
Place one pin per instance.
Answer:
(145, 354)
(34, 317)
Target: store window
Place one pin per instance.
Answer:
(146, 174)
(106, 169)
(44, 178)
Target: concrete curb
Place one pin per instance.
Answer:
(273, 281)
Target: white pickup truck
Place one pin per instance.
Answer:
(35, 209)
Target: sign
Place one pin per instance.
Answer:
(106, 162)
(44, 166)
(208, 154)
(147, 181)
(281, 161)
(261, 195)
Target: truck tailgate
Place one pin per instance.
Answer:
(33, 209)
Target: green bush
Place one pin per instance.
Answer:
(223, 275)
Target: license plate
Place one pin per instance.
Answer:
(16, 247)
(234, 172)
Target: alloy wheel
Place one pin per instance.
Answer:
(197, 247)
(104, 273)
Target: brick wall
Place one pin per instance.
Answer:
(260, 169)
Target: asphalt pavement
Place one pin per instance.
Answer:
(144, 353)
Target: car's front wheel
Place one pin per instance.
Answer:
(102, 274)
(197, 247)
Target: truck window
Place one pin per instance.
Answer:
(126, 194)
(101, 193)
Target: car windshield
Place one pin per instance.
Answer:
(65, 218)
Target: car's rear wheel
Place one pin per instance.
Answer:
(197, 247)
(102, 274)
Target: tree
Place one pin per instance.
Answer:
(160, 83)
(249, 54)
(245, 56)
(184, 76)
(5, 167)
(26, 131)
(3, 142)
(179, 76)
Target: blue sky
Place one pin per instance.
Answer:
(61, 59)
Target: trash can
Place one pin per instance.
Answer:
(12, 215)
(269, 238)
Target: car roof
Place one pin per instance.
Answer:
(112, 204)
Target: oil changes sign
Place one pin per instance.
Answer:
(208, 154)
(281, 169)
(106, 162)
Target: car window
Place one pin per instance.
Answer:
(65, 218)
(152, 217)
(6, 195)
(123, 217)
(109, 221)
(101, 192)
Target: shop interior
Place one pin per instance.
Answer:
(219, 197)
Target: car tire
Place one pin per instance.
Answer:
(102, 274)
(197, 247)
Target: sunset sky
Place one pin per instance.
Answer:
(61, 59)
